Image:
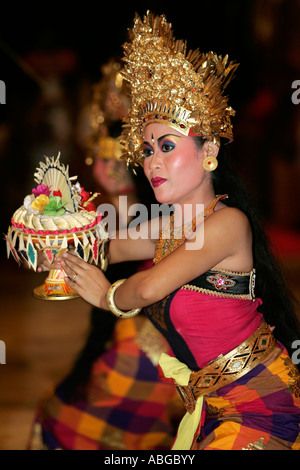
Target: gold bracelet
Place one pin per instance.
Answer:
(111, 304)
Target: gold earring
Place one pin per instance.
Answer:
(210, 163)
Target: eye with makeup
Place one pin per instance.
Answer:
(147, 150)
(167, 146)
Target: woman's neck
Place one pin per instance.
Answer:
(184, 213)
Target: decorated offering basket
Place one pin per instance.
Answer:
(58, 214)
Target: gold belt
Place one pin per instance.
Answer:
(228, 368)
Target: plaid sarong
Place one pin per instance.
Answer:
(259, 411)
(125, 406)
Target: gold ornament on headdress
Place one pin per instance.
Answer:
(170, 86)
(109, 104)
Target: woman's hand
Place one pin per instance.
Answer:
(43, 263)
(86, 279)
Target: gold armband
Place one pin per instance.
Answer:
(111, 304)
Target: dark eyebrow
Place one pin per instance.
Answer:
(166, 135)
(161, 138)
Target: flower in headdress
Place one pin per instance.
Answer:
(41, 189)
(39, 203)
(54, 206)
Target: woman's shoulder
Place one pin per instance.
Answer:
(227, 224)
(230, 216)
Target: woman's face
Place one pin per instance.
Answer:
(172, 164)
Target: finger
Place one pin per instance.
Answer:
(74, 285)
(73, 258)
(73, 276)
(72, 261)
(42, 268)
(71, 270)
(71, 266)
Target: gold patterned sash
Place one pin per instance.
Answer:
(226, 369)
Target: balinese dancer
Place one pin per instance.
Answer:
(231, 340)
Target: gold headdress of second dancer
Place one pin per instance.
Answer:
(172, 86)
(109, 105)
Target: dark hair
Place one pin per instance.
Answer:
(277, 308)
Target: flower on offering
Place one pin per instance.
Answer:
(40, 202)
(86, 200)
(54, 207)
(41, 189)
(27, 204)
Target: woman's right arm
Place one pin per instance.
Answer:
(134, 244)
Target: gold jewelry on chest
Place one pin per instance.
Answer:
(171, 237)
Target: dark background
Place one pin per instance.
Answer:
(51, 54)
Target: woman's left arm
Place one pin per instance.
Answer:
(227, 240)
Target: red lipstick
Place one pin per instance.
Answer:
(157, 181)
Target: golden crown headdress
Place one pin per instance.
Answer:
(109, 104)
(172, 86)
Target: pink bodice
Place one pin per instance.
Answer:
(212, 325)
